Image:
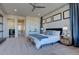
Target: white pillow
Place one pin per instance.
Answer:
(56, 32)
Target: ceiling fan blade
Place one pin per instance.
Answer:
(31, 4)
(40, 7)
(34, 6)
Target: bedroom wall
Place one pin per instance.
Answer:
(60, 23)
(11, 23)
(32, 25)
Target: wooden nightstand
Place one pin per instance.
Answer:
(65, 40)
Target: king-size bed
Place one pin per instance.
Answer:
(52, 36)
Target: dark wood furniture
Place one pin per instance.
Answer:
(11, 32)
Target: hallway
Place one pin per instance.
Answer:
(20, 46)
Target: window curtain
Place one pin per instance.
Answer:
(74, 14)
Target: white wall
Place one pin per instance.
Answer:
(61, 23)
(11, 23)
(32, 23)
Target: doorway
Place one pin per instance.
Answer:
(11, 27)
(21, 27)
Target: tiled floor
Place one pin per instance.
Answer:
(20, 46)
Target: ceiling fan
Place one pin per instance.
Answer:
(36, 6)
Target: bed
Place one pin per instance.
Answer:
(49, 38)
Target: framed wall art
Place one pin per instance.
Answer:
(48, 20)
(57, 17)
(66, 14)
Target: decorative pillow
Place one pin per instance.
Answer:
(49, 32)
(56, 32)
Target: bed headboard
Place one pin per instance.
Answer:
(56, 29)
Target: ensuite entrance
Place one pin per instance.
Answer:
(16, 27)
(21, 27)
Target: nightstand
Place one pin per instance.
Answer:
(65, 40)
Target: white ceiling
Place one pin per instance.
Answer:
(25, 9)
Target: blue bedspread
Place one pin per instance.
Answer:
(39, 37)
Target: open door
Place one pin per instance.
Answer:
(21, 27)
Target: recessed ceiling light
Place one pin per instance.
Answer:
(15, 10)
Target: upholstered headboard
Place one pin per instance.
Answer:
(55, 29)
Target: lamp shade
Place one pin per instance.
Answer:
(42, 28)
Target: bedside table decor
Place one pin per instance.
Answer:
(65, 37)
(65, 40)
